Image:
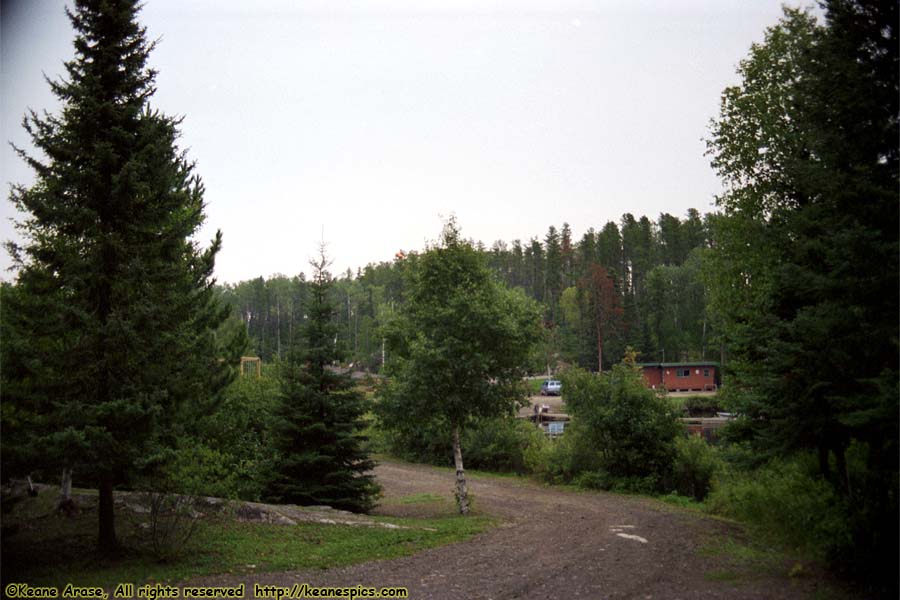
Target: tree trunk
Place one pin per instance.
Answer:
(462, 493)
(843, 474)
(106, 543)
(65, 486)
(703, 341)
(824, 467)
(599, 351)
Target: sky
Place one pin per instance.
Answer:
(366, 123)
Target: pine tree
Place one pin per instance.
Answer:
(568, 256)
(552, 274)
(320, 417)
(115, 302)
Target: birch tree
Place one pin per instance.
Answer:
(459, 347)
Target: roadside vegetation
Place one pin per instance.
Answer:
(43, 547)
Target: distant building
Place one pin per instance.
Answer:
(682, 376)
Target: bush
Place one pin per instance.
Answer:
(425, 442)
(702, 406)
(790, 502)
(621, 429)
(785, 503)
(501, 444)
(232, 454)
(552, 460)
(497, 444)
(696, 463)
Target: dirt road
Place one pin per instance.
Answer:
(557, 543)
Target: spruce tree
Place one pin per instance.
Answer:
(805, 267)
(114, 311)
(320, 456)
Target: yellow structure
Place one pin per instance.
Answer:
(250, 360)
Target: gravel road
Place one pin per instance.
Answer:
(555, 543)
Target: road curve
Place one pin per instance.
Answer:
(554, 543)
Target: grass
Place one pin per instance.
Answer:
(424, 498)
(675, 499)
(534, 385)
(48, 549)
(742, 559)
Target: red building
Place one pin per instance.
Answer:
(682, 376)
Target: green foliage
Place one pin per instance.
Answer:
(319, 420)
(56, 551)
(228, 450)
(555, 461)
(422, 441)
(461, 342)
(702, 406)
(365, 301)
(115, 316)
(459, 346)
(806, 272)
(501, 444)
(620, 427)
(785, 502)
(696, 464)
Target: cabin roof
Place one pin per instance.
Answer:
(708, 363)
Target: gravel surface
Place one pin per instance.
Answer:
(553, 543)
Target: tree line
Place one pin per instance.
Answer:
(638, 283)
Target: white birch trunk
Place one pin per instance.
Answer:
(65, 487)
(462, 493)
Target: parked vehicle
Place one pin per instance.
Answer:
(551, 387)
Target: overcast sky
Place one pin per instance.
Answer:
(372, 120)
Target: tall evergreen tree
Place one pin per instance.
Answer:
(552, 273)
(534, 256)
(115, 301)
(807, 253)
(609, 249)
(568, 256)
(320, 416)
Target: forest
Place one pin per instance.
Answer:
(640, 282)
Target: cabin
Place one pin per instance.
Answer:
(682, 376)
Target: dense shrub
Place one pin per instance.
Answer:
(498, 444)
(622, 431)
(786, 503)
(424, 442)
(228, 454)
(702, 406)
(501, 444)
(696, 463)
(553, 460)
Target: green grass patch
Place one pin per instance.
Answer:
(740, 552)
(47, 549)
(415, 499)
(675, 499)
(739, 559)
(478, 474)
(534, 385)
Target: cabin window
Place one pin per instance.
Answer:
(683, 372)
(706, 372)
